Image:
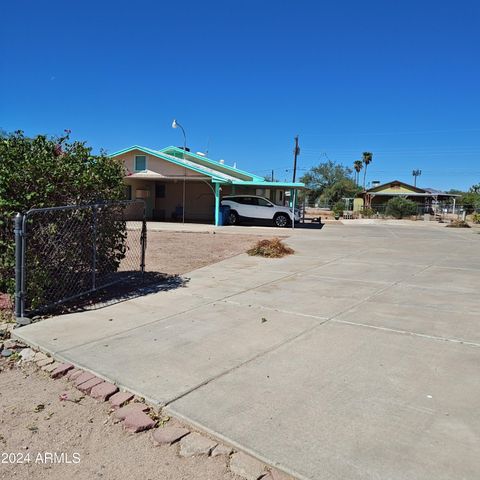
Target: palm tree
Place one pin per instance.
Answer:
(367, 159)
(357, 165)
(416, 173)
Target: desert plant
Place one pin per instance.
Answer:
(399, 207)
(270, 248)
(368, 212)
(458, 224)
(338, 208)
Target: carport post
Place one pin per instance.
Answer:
(292, 194)
(217, 204)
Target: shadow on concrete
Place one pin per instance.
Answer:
(128, 288)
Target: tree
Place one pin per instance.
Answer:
(367, 159)
(399, 207)
(357, 165)
(416, 173)
(46, 172)
(329, 182)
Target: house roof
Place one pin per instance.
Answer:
(203, 160)
(383, 186)
(410, 190)
(218, 172)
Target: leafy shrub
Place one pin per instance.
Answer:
(338, 208)
(273, 248)
(399, 207)
(368, 213)
(46, 172)
(476, 217)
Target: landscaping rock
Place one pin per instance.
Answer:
(103, 391)
(42, 363)
(86, 387)
(120, 399)
(50, 367)
(61, 370)
(277, 475)
(246, 466)
(27, 355)
(84, 377)
(123, 412)
(73, 374)
(39, 356)
(138, 421)
(169, 435)
(221, 450)
(12, 344)
(6, 352)
(196, 444)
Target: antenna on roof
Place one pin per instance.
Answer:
(208, 146)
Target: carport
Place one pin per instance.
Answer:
(178, 185)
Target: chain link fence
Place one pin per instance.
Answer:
(66, 252)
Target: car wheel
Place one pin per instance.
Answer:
(233, 218)
(281, 220)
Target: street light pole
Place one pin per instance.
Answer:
(175, 124)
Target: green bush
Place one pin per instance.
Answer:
(399, 207)
(476, 217)
(368, 212)
(45, 172)
(338, 208)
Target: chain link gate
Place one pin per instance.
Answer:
(66, 252)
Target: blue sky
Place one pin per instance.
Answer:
(400, 79)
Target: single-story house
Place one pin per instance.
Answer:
(177, 184)
(377, 197)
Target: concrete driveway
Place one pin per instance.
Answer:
(358, 357)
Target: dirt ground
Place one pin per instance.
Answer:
(103, 448)
(182, 252)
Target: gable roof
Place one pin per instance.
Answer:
(217, 171)
(202, 160)
(218, 176)
(384, 186)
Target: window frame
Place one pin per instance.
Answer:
(135, 163)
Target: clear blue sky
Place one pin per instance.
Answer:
(400, 79)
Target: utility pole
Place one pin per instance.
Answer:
(296, 152)
(272, 176)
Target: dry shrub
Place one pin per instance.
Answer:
(273, 248)
(458, 224)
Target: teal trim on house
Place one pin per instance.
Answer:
(264, 183)
(219, 173)
(171, 159)
(176, 151)
(217, 204)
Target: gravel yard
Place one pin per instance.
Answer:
(182, 252)
(34, 423)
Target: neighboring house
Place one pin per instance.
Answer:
(377, 197)
(181, 185)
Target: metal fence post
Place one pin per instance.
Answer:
(94, 248)
(143, 241)
(19, 271)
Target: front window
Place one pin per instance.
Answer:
(140, 163)
(263, 203)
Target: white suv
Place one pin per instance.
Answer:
(252, 207)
